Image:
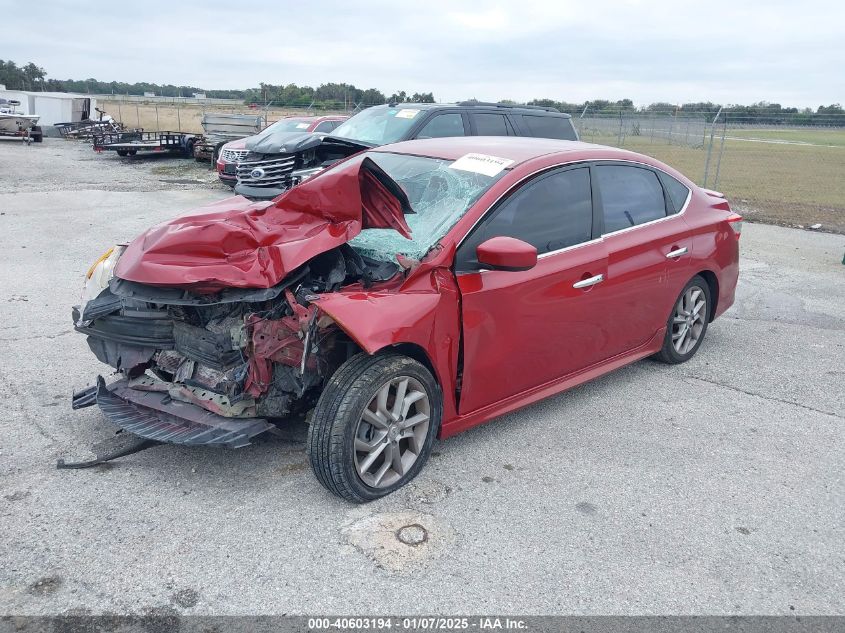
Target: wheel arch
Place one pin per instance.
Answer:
(713, 284)
(416, 352)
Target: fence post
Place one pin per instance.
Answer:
(721, 151)
(178, 118)
(158, 127)
(137, 116)
(672, 126)
(710, 147)
(620, 128)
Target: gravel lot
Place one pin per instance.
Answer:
(710, 487)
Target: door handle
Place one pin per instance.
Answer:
(586, 283)
(677, 253)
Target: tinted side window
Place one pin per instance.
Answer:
(629, 196)
(549, 127)
(443, 125)
(550, 213)
(676, 191)
(325, 126)
(491, 125)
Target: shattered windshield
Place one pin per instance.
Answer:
(438, 193)
(378, 125)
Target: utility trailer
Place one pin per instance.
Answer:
(130, 143)
(219, 129)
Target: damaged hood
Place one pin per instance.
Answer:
(241, 244)
(270, 142)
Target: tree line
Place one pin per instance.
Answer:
(347, 96)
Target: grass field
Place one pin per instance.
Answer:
(780, 183)
(814, 136)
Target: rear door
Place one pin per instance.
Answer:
(524, 329)
(649, 249)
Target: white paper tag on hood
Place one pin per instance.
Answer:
(481, 164)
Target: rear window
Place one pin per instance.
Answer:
(549, 127)
(491, 125)
(629, 195)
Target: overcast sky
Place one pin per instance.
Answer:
(792, 52)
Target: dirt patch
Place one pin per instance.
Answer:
(46, 586)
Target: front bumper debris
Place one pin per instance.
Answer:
(156, 416)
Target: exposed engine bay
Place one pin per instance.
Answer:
(238, 354)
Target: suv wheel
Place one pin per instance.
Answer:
(374, 425)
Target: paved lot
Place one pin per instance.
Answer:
(711, 487)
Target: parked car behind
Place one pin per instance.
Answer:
(263, 175)
(411, 292)
(233, 151)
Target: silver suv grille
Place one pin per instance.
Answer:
(274, 171)
(233, 155)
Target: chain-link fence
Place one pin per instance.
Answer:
(784, 173)
(790, 171)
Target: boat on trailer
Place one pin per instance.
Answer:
(17, 124)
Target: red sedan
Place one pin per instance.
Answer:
(409, 292)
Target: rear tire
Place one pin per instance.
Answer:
(37, 134)
(122, 152)
(362, 445)
(687, 323)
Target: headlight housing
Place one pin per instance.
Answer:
(98, 276)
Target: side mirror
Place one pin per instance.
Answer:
(506, 253)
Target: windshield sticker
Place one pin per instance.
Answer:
(481, 164)
(407, 113)
(301, 126)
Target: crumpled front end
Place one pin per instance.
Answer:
(218, 368)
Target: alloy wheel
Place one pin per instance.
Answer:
(689, 320)
(391, 432)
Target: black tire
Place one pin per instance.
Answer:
(668, 354)
(132, 152)
(335, 421)
(122, 152)
(37, 134)
(189, 149)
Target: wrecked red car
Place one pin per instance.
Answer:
(409, 292)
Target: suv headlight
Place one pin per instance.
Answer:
(98, 276)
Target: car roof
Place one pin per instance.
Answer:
(481, 105)
(516, 148)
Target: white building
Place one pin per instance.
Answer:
(53, 107)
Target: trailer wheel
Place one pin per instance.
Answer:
(36, 134)
(216, 154)
(122, 152)
(189, 148)
(132, 152)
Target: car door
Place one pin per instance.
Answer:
(524, 329)
(648, 250)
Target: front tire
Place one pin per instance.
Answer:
(687, 324)
(374, 425)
